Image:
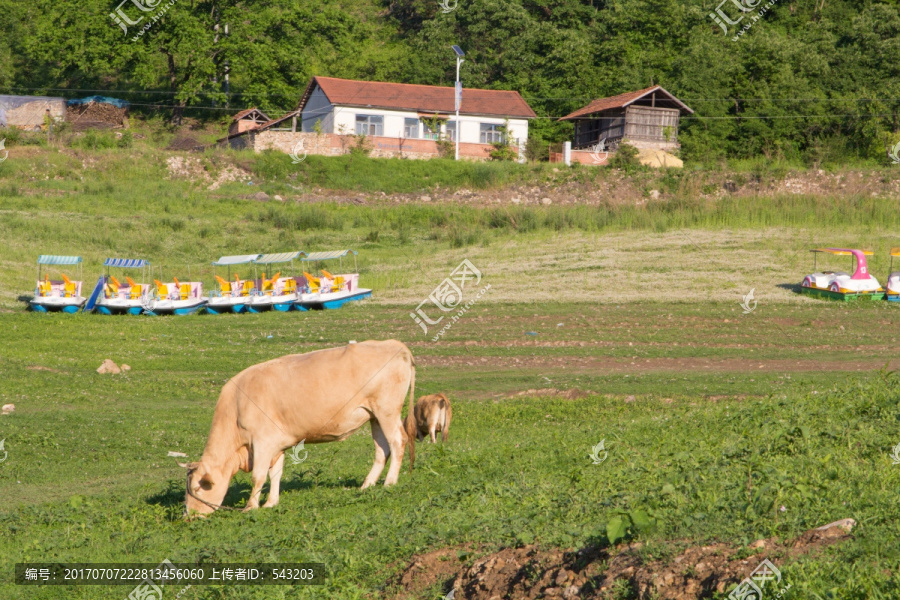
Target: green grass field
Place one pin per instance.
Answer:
(637, 308)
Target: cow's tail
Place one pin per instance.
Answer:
(411, 417)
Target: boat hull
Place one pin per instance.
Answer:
(221, 305)
(841, 296)
(331, 300)
(281, 303)
(175, 307)
(119, 307)
(56, 304)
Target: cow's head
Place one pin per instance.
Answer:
(206, 488)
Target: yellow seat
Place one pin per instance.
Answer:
(339, 282)
(268, 285)
(224, 286)
(248, 287)
(112, 287)
(290, 286)
(185, 291)
(44, 287)
(312, 281)
(70, 290)
(326, 274)
(136, 290)
(162, 289)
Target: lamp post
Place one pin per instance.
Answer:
(458, 94)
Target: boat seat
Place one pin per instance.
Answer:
(136, 290)
(290, 286)
(224, 285)
(44, 287)
(162, 290)
(185, 291)
(339, 282)
(312, 281)
(69, 287)
(248, 287)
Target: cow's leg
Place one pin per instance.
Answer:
(275, 481)
(262, 460)
(434, 420)
(382, 451)
(393, 431)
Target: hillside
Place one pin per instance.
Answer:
(809, 81)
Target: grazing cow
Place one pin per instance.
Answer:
(433, 413)
(318, 397)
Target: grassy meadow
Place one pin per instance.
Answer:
(636, 307)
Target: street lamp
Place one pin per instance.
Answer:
(458, 94)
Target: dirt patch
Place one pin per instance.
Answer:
(186, 142)
(427, 570)
(594, 572)
(656, 365)
(40, 368)
(571, 394)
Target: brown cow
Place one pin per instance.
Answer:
(318, 397)
(433, 413)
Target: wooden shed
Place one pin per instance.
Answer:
(646, 118)
(247, 120)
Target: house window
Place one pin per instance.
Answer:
(451, 130)
(429, 133)
(411, 128)
(491, 134)
(369, 125)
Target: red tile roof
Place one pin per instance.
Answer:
(620, 101)
(419, 98)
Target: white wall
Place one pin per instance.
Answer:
(394, 123)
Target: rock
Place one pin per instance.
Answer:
(177, 454)
(424, 198)
(571, 592)
(125, 367)
(108, 366)
(516, 200)
(654, 194)
(546, 201)
(9, 409)
(630, 398)
(277, 197)
(758, 544)
(846, 524)
(261, 197)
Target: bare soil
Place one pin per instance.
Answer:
(530, 572)
(606, 365)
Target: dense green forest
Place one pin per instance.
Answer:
(812, 80)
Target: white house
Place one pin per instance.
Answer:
(403, 110)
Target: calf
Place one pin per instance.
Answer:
(433, 413)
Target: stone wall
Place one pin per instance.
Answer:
(330, 144)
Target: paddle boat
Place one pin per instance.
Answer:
(53, 295)
(327, 290)
(232, 296)
(128, 298)
(176, 298)
(839, 285)
(893, 282)
(278, 292)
